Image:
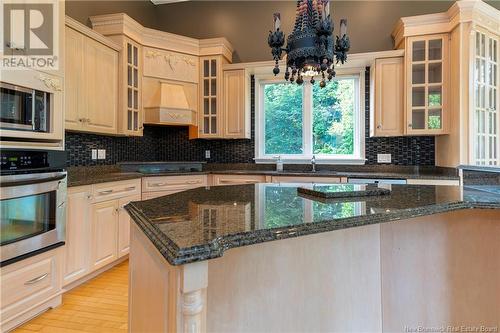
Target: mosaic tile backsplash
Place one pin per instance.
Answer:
(171, 143)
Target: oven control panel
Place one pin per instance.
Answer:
(20, 160)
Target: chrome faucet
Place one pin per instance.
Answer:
(313, 163)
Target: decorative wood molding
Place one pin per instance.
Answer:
(120, 23)
(171, 59)
(72, 23)
(475, 11)
(50, 82)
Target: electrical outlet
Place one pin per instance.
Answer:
(94, 154)
(101, 154)
(207, 153)
(384, 158)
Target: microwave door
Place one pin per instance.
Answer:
(16, 107)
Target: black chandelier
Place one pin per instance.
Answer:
(310, 48)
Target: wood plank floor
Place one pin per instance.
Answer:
(99, 305)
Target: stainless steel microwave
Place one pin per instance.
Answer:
(24, 109)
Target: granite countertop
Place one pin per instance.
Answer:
(78, 176)
(202, 223)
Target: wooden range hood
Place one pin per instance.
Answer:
(172, 107)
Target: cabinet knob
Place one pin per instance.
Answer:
(379, 126)
(409, 125)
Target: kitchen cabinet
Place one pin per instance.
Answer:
(387, 97)
(210, 87)
(308, 180)
(153, 187)
(76, 249)
(91, 81)
(124, 225)
(169, 65)
(236, 106)
(30, 286)
(130, 116)
(224, 179)
(104, 234)
(427, 82)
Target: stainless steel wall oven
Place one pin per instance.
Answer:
(32, 201)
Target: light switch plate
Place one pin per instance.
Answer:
(384, 158)
(101, 154)
(207, 153)
(94, 154)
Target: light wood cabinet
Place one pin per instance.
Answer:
(210, 87)
(29, 287)
(427, 82)
(224, 179)
(387, 97)
(308, 180)
(76, 250)
(169, 65)
(124, 225)
(104, 235)
(236, 107)
(91, 84)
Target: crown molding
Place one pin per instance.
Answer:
(476, 12)
(122, 24)
(72, 23)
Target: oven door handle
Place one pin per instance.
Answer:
(32, 181)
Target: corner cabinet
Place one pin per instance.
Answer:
(210, 86)
(427, 84)
(387, 97)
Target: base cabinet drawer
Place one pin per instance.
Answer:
(152, 195)
(173, 183)
(307, 180)
(218, 180)
(28, 283)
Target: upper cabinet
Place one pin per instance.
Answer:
(174, 80)
(427, 81)
(236, 104)
(452, 81)
(91, 81)
(387, 97)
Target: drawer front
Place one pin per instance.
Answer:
(116, 190)
(172, 183)
(218, 180)
(152, 195)
(28, 282)
(307, 180)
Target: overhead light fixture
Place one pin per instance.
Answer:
(310, 48)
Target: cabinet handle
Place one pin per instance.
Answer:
(106, 192)
(158, 184)
(131, 188)
(193, 182)
(37, 279)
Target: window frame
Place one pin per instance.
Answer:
(358, 157)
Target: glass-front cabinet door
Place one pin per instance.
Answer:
(484, 115)
(427, 85)
(210, 123)
(131, 116)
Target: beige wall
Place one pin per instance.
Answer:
(246, 23)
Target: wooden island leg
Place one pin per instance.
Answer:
(193, 289)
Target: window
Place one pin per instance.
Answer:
(296, 122)
(485, 115)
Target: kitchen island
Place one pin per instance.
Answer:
(250, 257)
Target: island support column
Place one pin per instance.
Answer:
(194, 284)
(164, 298)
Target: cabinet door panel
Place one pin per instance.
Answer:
(101, 79)
(124, 225)
(236, 112)
(76, 259)
(104, 233)
(74, 102)
(388, 97)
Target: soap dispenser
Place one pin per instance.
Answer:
(279, 164)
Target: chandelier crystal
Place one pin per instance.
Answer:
(310, 48)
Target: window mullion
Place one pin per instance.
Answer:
(307, 120)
